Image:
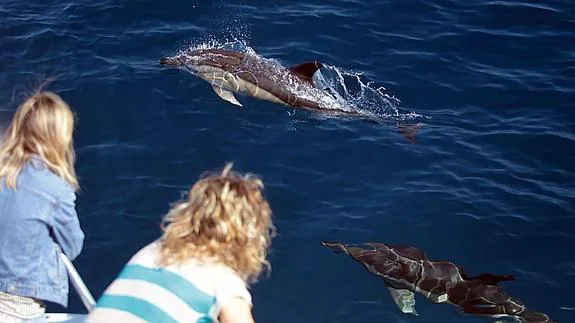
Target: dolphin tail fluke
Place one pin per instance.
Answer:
(529, 316)
(509, 310)
(226, 95)
(409, 130)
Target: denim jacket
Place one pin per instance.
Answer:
(38, 220)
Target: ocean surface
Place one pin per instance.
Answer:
(489, 182)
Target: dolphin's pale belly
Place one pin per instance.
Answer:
(226, 80)
(258, 92)
(246, 82)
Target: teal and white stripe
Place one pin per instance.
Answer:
(155, 295)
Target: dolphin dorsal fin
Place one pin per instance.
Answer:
(306, 70)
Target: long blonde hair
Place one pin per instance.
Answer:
(43, 125)
(224, 219)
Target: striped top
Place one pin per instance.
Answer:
(191, 292)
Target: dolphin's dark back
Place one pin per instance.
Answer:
(224, 59)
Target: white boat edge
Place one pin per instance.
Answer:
(65, 318)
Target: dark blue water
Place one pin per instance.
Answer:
(489, 184)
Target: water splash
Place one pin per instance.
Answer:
(350, 87)
(237, 40)
(356, 90)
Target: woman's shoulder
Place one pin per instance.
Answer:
(36, 176)
(219, 275)
(192, 269)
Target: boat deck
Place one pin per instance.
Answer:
(65, 318)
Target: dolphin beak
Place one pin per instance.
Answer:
(170, 61)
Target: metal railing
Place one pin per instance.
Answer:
(78, 284)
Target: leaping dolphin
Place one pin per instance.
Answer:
(232, 72)
(229, 71)
(406, 269)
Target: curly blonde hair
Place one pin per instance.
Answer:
(225, 219)
(42, 125)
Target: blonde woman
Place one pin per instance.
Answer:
(38, 219)
(213, 246)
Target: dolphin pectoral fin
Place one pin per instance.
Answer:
(226, 95)
(404, 299)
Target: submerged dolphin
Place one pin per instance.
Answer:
(232, 72)
(406, 269)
